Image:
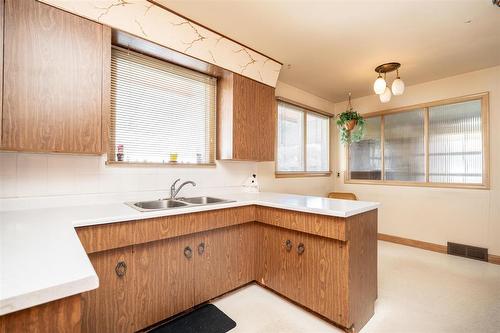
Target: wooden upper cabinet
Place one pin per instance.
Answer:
(246, 119)
(56, 80)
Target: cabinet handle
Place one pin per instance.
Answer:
(188, 253)
(201, 248)
(301, 248)
(121, 268)
(288, 245)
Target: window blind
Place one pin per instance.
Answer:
(160, 112)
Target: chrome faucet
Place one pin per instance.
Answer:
(174, 191)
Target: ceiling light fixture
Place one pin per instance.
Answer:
(380, 85)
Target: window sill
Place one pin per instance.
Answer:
(175, 165)
(417, 184)
(302, 174)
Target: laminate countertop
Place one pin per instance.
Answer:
(42, 259)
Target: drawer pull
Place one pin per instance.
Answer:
(121, 268)
(201, 248)
(301, 248)
(188, 253)
(288, 245)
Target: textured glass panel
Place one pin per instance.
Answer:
(365, 157)
(318, 138)
(455, 143)
(290, 138)
(160, 111)
(404, 146)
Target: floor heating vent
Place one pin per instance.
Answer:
(468, 251)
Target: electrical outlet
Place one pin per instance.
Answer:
(338, 174)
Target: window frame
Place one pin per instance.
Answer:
(303, 174)
(111, 154)
(485, 185)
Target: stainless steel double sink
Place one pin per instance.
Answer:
(164, 204)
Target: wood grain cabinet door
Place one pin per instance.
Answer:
(53, 80)
(245, 119)
(225, 260)
(164, 279)
(279, 260)
(110, 308)
(322, 276)
(266, 127)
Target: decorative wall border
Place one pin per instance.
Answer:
(152, 22)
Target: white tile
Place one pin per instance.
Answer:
(86, 183)
(88, 164)
(8, 186)
(118, 183)
(31, 174)
(31, 185)
(8, 164)
(32, 164)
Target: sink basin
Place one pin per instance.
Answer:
(157, 204)
(203, 200)
(162, 204)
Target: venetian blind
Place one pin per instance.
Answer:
(160, 112)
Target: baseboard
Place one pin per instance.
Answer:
(413, 243)
(493, 259)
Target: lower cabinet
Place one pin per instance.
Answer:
(224, 260)
(307, 269)
(143, 284)
(163, 279)
(110, 308)
(146, 282)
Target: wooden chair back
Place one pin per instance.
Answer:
(342, 195)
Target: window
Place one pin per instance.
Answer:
(160, 112)
(435, 144)
(303, 141)
(404, 146)
(365, 155)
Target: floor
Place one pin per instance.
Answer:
(419, 292)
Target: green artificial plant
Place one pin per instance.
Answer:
(351, 125)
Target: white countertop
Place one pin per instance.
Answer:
(42, 259)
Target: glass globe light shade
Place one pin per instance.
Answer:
(398, 87)
(379, 85)
(386, 95)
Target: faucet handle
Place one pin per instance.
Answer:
(175, 182)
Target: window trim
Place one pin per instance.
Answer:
(485, 185)
(304, 174)
(110, 155)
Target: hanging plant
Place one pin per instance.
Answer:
(351, 125)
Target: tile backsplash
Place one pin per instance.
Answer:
(33, 175)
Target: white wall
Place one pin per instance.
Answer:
(25, 175)
(434, 214)
(309, 185)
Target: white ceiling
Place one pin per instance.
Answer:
(334, 46)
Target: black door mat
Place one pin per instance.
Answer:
(206, 319)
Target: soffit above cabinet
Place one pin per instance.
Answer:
(154, 23)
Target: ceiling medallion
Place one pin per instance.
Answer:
(380, 85)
